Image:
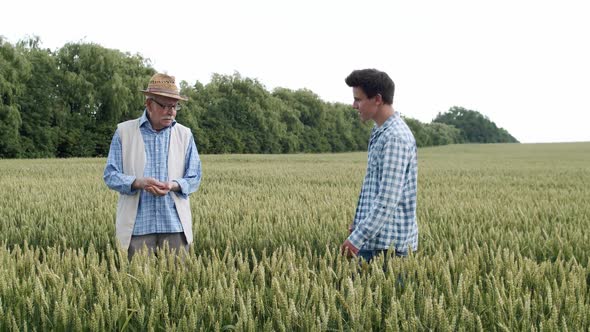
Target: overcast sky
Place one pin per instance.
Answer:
(524, 64)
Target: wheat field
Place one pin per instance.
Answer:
(503, 246)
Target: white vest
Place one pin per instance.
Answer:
(134, 159)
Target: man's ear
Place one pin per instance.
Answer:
(379, 99)
(147, 107)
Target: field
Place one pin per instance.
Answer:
(504, 245)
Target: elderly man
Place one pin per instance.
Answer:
(154, 164)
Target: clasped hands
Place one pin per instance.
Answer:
(155, 187)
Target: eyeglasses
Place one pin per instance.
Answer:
(175, 107)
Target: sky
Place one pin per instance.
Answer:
(524, 64)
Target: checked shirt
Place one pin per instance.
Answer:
(154, 214)
(386, 211)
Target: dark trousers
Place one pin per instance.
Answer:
(369, 254)
(154, 242)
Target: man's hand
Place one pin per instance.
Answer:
(348, 249)
(143, 183)
(155, 187)
(160, 189)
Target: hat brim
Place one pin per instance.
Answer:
(164, 94)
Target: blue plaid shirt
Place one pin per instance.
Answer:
(155, 214)
(386, 211)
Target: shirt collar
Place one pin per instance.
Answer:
(145, 121)
(388, 123)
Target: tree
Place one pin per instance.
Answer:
(442, 134)
(421, 134)
(193, 111)
(339, 128)
(311, 114)
(475, 127)
(67, 103)
(40, 102)
(14, 71)
(100, 87)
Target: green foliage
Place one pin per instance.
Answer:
(40, 104)
(67, 103)
(420, 134)
(99, 88)
(233, 114)
(474, 127)
(458, 125)
(433, 134)
(312, 115)
(14, 71)
(443, 134)
(238, 117)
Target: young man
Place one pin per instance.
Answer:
(386, 211)
(154, 165)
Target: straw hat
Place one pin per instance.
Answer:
(163, 85)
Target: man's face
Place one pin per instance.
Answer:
(367, 107)
(162, 111)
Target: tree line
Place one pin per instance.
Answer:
(67, 103)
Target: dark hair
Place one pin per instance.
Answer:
(372, 82)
